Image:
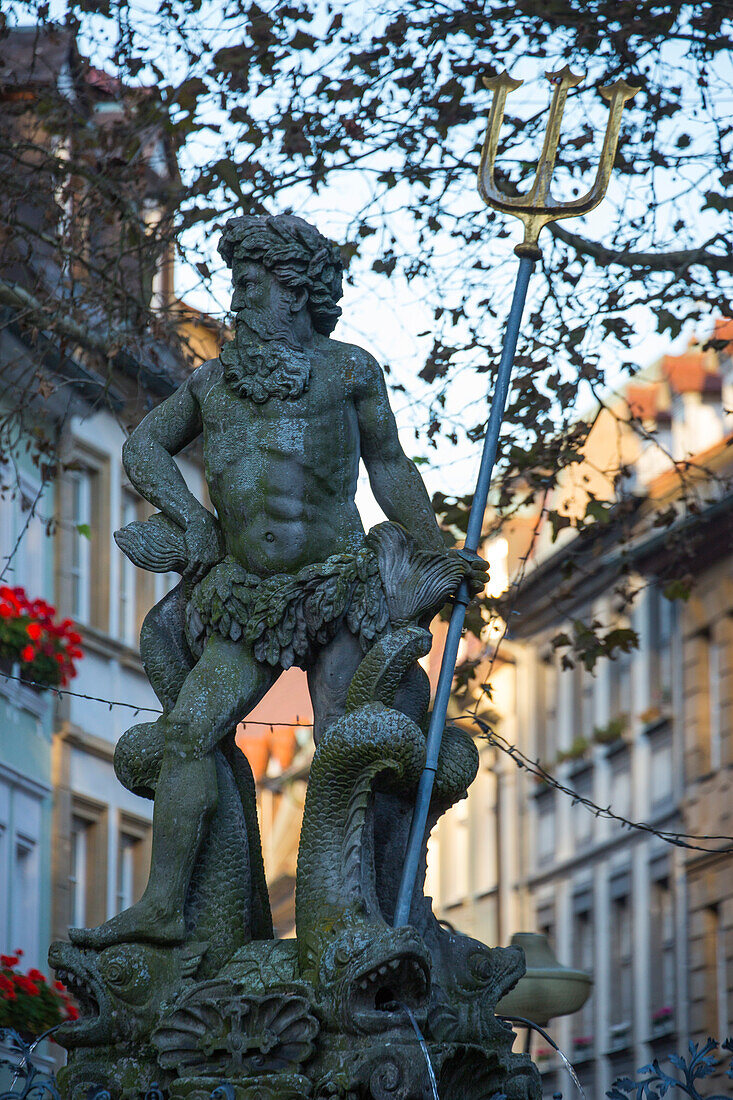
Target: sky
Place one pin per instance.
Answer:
(390, 318)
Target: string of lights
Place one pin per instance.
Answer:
(110, 703)
(534, 767)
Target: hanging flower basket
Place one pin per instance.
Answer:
(28, 1004)
(30, 636)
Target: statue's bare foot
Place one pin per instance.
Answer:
(145, 922)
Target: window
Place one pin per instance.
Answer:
(620, 685)
(81, 522)
(661, 613)
(87, 866)
(4, 914)
(545, 805)
(662, 956)
(621, 974)
(714, 685)
(126, 871)
(545, 921)
(703, 691)
(582, 1021)
(133, 860)
(78, 872)
(661, 767)
(546, 710)
(584, 717)
(22, 532)
(621, 785)
(129, 618)
(581, 818)
(163, 583)
(454, 843)
(483, 829)
(24, 893)
(716, 972)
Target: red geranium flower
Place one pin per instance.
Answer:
(29, 633)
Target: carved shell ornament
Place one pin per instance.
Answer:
(218, 1030)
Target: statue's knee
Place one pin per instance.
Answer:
(187, 740)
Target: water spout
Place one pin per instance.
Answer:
(423, 1047)
(536, 1027)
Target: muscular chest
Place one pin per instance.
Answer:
(312, 430)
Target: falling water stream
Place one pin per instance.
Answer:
(423, 1047)
(510, 1019)
(566, 1061)
(569, 1067)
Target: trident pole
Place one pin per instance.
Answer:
(462, 598)
(535, 209)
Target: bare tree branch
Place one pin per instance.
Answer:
(653, 261)
(102, 342)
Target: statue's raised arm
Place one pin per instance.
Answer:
(148, 460)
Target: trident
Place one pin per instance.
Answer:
(535, 208)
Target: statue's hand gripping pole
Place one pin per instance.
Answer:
(535, 208)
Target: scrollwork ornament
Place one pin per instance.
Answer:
(386, 1081)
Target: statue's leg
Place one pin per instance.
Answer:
(331, 673)
(329, 677)
(226, 683)
(164, 651)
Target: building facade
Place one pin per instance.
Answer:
(74, 844)
(647, 734)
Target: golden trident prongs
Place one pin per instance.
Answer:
(536, 208)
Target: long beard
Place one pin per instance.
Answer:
(261, 369)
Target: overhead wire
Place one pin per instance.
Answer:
(534, 767)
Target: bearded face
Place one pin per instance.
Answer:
(262, 301)
(261, 362)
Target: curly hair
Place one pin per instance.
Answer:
(296, 253)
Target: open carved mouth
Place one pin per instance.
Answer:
(389, 986)
(81, 990)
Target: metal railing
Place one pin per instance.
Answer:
(29, 1082)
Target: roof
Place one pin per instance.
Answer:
(700, 466)
(643, 400)
(690, 373)
(36, 55)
